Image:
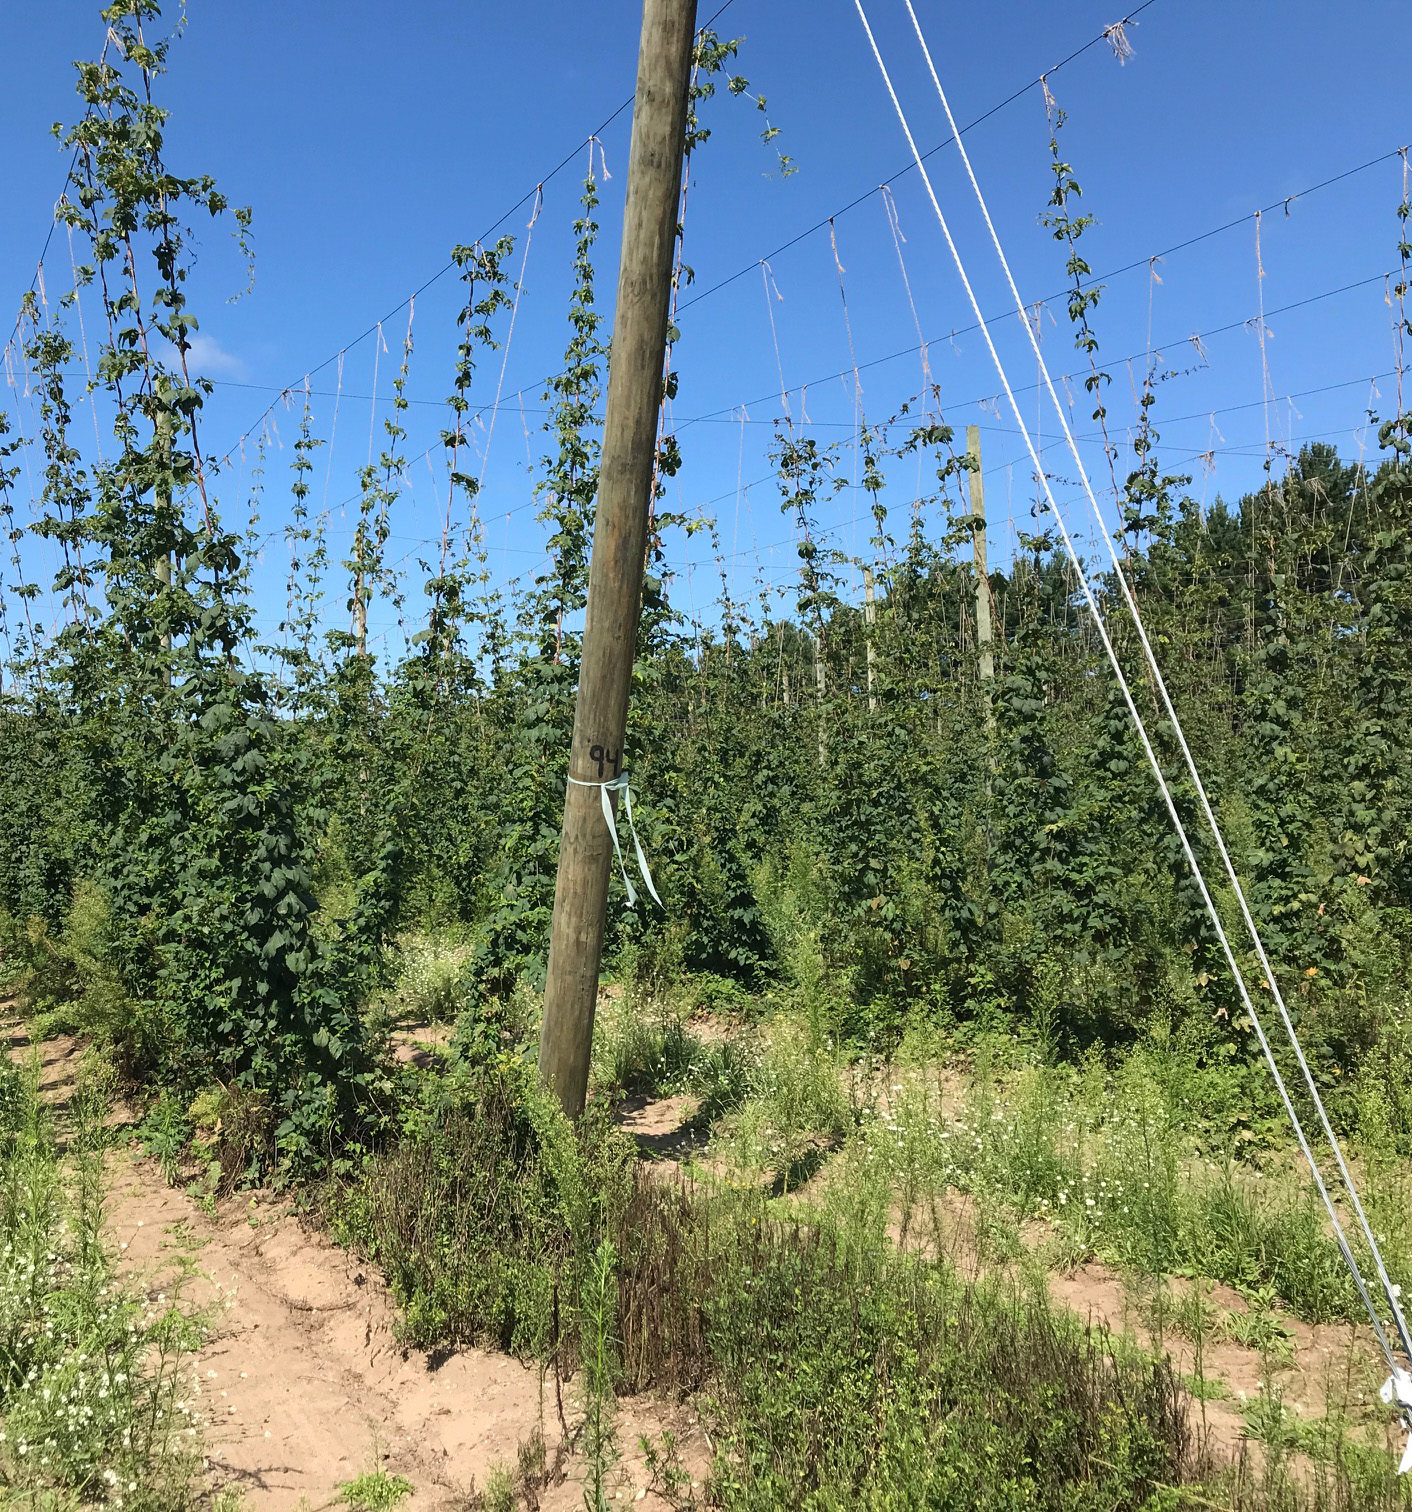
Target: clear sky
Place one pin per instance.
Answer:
(372, 138)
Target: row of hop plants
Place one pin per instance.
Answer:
(254, 821)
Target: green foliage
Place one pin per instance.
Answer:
(837, 1370)
(374, 1491)
(189, 813)
(487, 1213)
(599, 1372)
(429, 984)
(1122, 1166)
(653, 1051)
(914, 1392)
(164, 1134)
(258, 825)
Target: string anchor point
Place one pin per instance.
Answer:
(1397, 1389)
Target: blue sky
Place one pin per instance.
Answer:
(370, 139)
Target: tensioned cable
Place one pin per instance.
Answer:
(63, 194)
(1282, 203)
(831, 530)
(1101, 627)
(524, 199)
(44, 250)
(1024, 89)
(731, 414)
(1160, 683)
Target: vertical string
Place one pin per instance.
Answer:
(333, 432)
(894, 225)
(510, 334)
(771, 287)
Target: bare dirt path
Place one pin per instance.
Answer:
(302, 1384)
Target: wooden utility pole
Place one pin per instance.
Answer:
(619, 542)
(984, 632)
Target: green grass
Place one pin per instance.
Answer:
(654, 1052)
(431, 983)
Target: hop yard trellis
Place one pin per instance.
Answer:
(912, 654)
(1398, 1387)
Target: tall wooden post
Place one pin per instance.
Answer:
(162, 567)
(821, 691)
(984, 630)
(870, 619)
(360, 593)
(619, 542)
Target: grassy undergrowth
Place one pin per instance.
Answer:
(833, 1368)
(836, 1370)
(1151, 1159)
(1118, 1164)
(91, 1377)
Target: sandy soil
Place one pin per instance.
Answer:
(302, 1383)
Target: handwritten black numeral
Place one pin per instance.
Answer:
(605, 756)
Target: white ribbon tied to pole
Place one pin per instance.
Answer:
(619, 784)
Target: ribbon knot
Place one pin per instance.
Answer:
(619, 784)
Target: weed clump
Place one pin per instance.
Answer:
(486, 1211)
(374, 1491)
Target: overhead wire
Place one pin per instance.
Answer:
(534, 194)
(820, 225)
(902, 172)
(569, 157)
(1195, 336)
(1140, 725)
(737, 413)
(1283, 203)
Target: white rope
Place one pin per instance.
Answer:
(1390, 1291)
(1168, 800)
(619, 784)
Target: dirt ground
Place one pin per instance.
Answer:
(302, 1384)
